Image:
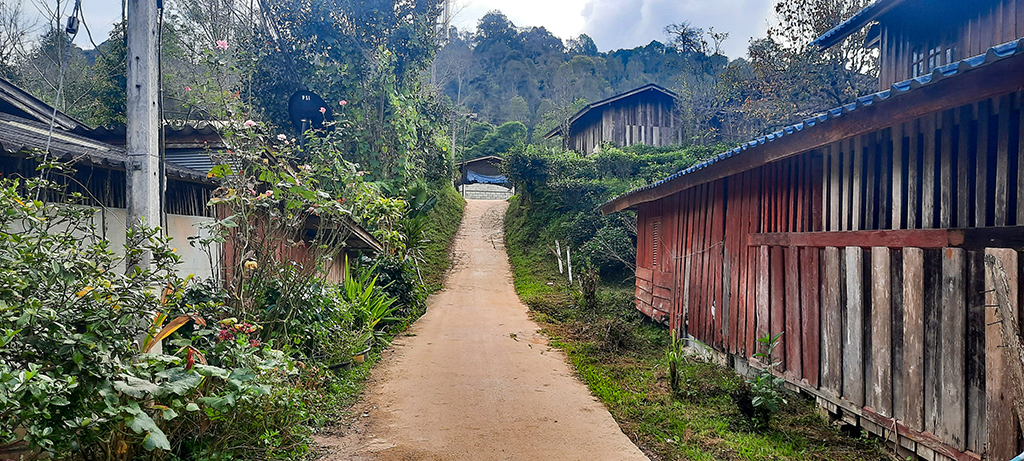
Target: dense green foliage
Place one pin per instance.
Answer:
(559, 193)
(74, 378)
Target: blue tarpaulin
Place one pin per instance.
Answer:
(474, 177)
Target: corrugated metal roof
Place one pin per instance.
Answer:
(855, 22)
(19, 135)
(196, 159)
(994, 54)
(589, 107)
(33, 107)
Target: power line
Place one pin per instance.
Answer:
(72, 31)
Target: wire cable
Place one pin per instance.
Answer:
(72, 32)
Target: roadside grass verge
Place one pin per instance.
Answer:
(442, 224)
(620, 355)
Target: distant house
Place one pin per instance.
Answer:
(869, 235)
(481, 179)
(640, 116)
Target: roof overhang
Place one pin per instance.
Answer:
(487, 159)
(999, 71)
(557, 131)
(358, 238)
(20, 136)
(36, 109)
(855, 23)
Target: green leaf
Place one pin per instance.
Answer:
(221, 171)
(156, 440)
(135, 387)
(191, 407)
(141, 422)
(179, 381)
(169, 414)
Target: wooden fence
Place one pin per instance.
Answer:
(869, 255)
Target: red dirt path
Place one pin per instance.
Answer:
(473, 379)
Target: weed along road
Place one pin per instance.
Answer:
(473, 379)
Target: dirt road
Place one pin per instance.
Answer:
(474, 380)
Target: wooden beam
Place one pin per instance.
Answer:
(970, 238)
(913, 338)
(853, 328)
(1001, 283)
(995, 79)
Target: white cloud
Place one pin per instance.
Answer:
(612, 24)
(562, 18)
(628, 23)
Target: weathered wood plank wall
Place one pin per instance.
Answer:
(986, 25)
(883, 320)
(641, 119)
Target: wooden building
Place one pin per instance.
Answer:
(875, 236)
(916, 36)
(640, 116)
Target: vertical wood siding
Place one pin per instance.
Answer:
(895, 335)
(642, 119)
(984, 26)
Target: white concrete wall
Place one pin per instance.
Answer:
(110, 224)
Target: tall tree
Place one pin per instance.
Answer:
(794, 79)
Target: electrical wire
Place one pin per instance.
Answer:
(60, 85)
(162, 152)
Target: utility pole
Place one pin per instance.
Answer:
(143, 127)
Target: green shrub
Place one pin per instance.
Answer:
(73, 379)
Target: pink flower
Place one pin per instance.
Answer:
(323, 110)
(342, 102)
(188, 88)
(222, 44)
(281, 137)
(254, 343)
(249, 123)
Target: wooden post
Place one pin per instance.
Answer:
(558, 254)
(880, 395)
(853, 330)
(831, 324)
(568, 262)
(913, 338)
(952, 426)
(1003, 360)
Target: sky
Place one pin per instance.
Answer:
(613, 24)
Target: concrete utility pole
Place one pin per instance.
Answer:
(142, 114)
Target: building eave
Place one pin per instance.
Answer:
(855, 23)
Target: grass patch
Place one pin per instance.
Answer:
(442, 224)
(621, 357)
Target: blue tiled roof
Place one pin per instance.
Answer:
(996, 53)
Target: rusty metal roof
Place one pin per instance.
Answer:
(952, 70)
